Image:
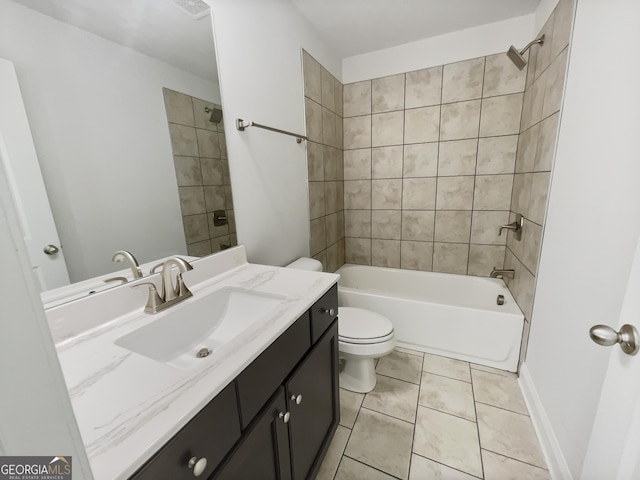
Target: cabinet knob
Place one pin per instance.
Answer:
(198, 466)
(297, 398)
(284, 416)
(329, 311)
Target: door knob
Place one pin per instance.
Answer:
(627, 337)
(50, 249)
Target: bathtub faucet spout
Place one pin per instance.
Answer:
(502, 273)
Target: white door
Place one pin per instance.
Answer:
(20, 163)
(614, 448)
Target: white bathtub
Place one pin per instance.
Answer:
(452, 315)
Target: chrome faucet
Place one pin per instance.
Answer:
(502, 273)
(169, 294)
(180, 290)
(123, 255)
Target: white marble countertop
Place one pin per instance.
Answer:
(127, 405)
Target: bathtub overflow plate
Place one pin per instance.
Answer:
(500, 300)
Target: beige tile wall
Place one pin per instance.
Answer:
(323, 111)
(536, 148)
(202, 173)
(429, 166)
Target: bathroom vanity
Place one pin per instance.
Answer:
(263, 404)
(275, 420)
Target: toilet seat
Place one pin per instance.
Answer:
(359, 326)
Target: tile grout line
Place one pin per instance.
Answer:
(404, 127)
(435, 200)
(475, 175)
(398, 379)
(515, 459)
(386, 414)
(372, 467)
(446, 413)
(370, 177)
(413, 439)
(446, 376)
(344, 450)
(475, 409)
(503, 409)
(448, 466)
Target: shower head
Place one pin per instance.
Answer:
(517, 56)
(216, 114)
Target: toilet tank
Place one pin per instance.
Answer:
(306, 263)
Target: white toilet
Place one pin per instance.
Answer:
(363, 336)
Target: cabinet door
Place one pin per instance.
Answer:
(263, 452)
(210, 434)
(315, 418)
(266, 373)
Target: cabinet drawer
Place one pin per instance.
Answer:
(322, 314)
(210, 434)
(262, 377)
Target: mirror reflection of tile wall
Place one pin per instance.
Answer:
(202, 172)
(323, 112)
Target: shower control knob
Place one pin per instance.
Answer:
(627, 337)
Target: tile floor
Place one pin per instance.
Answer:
(433, 417)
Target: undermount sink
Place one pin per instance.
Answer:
(184, 335)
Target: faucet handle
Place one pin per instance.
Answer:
(515, 227)
(182, 289)
(154, 301)
(122, 280)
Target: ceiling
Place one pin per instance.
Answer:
(157, 28)
(350, 27)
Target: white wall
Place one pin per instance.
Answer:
(36, 417)
(593, 221)
(545, 7)
(452, 47)
(258, 45)
(97, 116)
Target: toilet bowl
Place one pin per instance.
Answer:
(363, 336)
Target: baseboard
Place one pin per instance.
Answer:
(558, 467)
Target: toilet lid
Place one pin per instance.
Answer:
(358, 324)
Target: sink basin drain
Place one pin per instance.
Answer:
(203, 352)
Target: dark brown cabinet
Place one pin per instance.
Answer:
(263, 452)
(209, 435)
(314, 385)
(275, 420)
(304, 423)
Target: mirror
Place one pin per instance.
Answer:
(123, 104)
